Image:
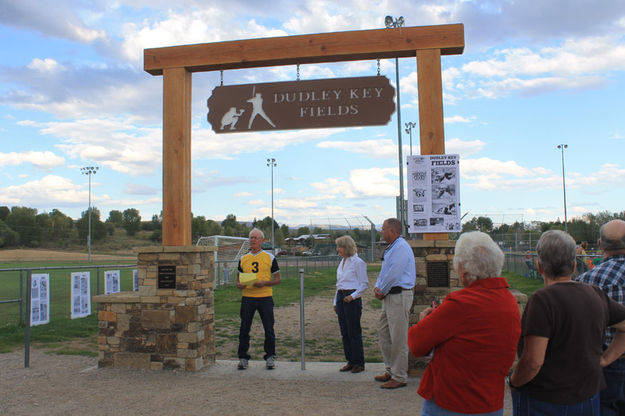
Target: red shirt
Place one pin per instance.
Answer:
(475, 332)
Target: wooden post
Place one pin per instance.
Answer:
(431, 125)
(176, 157)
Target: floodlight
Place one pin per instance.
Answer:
(388, 22)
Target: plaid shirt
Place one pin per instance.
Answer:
(609, 276)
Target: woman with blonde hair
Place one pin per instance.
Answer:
(351, 282)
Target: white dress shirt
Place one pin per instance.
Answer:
(352, 274)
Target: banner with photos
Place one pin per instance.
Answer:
(81, 294)
(39, 299)
(434, 194)
(111, 281)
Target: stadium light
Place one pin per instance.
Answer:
(392, 24)
(272, 164)
(89, 170)
(562, 147)
(409, 126)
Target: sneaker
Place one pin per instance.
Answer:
(271, 362)
(242, 364)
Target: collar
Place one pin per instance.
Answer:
(490, 283)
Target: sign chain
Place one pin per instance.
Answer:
(378, 66)
(298, 72)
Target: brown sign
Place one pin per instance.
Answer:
(338, 102)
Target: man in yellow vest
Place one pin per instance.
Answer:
(258, 272)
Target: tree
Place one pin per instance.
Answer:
(8, 237)
(157, 226)
(302, 231)
(285, 230)
(61, 224)
(23, 221)
(131, 221)
(4, 212)
(115, 217)
(98, 230)
(232, 227)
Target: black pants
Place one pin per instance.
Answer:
(349, 321)
(249, 306)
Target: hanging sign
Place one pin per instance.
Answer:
(434, 193)
(338, 102)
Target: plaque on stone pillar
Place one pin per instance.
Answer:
(166, 277)
(438, 274)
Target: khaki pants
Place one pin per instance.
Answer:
(393, 333)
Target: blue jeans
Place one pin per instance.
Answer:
(524, 405)
(249, 306)
(613, 397)
(432, 409)
(351, 332)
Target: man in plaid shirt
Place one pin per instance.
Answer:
(609, 275)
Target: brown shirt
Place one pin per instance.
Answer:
(574, 317)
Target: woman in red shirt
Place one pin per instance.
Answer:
(474, 334)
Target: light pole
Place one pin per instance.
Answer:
(392, 24)
(89, 170)
(409, 126)
(562, 147)
(272, 164)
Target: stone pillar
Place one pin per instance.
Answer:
(169, 322)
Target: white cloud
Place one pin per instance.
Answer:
(41, 160)
(458, 119)
(363, 183)
(575, 63)
(115, 144)
(208, 145)
(46, 192)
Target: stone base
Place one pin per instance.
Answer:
(157, 329)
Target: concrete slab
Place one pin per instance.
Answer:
(289, 370)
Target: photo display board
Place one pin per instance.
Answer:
(39, 299)
(434, 193)
(81, 294)
(111, 281)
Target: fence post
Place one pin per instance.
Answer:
(29, 275)
(21, 298)
(97, 280)
(302, 322)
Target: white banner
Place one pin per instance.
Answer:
(111, 281)
(81, 294)
(434, 194)
(39, 299)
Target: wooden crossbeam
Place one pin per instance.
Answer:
(306, 49)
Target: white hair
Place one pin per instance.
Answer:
(257, 230)
(479, 255)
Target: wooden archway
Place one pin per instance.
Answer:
(177, 63)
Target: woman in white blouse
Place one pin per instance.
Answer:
(351, 282)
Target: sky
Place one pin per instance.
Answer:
(533, 75)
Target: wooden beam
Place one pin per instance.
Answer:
(176, 157)
(431, 125)
(430, 89)
(307, 49)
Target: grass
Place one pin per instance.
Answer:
(523, 284)
(61, 327)
(61, 330)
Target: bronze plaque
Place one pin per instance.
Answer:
(167, 277)
(338, 102)
(438, 273)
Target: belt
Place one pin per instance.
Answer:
(346, 291)
(396, 289)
